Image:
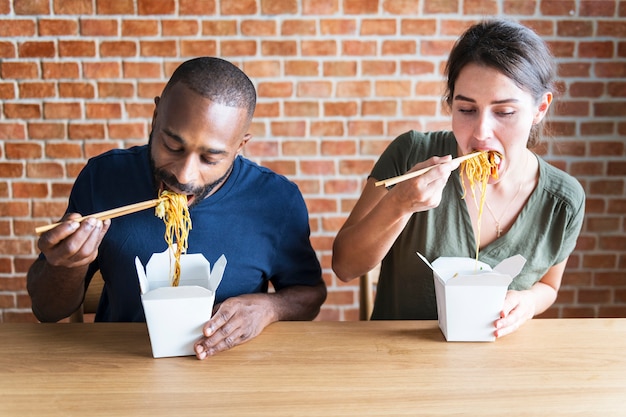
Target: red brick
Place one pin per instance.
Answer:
(480, 7)
(86, 131)
(378, 27)
(22, 111)
(219, 28)
(441, 6)
(44, 170)
(36, 90)
(76, 90)
(616, 89)
(597, 128)
(365, 128)
(141, 70)
(11, 169)
(58, 27)
(36, 49)
(17, 27)
(378, 67)
(140, 28)
(46, 130)
(597, 8)
(35, 7)
(7, 50)
(63, 150)
(193, 48)
(298, 27)
(358, 48)
(160, 7)
(318, 47)
(275, 7)
(275, 89)
(96, 148)
(54, 70)
(102, 69)
(157, 48)
(127, 130)
(393, 88)
(404, 47)
(277, 48)
(412, 26)
(562, 49)
(78, 7)
(12, 131)
(338, 147)
(610, 69)
(360, 6)
(77, 48)
(301, 109)
(291, 128)
(610, 109)
(121, 7)
(197, 7)
(30, 190)
(517, 7)
(93, 27)
(320, 7)
(379, 108)
(264, 109)
(18, 70)
(238, 7)
(256, 148)
(354, 89)
(557, 7)
(574, 69)
(23, 150)
(595, 49)
(239, 48)
(340, 108)
(299, 148)
(180, 27)
(326, 128)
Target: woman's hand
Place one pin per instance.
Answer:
(518, 308)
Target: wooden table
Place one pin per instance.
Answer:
(551, 367)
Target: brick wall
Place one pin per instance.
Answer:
(337, 79)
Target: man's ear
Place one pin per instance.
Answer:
(542, 109)
(243, 142)
(154, 112)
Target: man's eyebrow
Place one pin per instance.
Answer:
(461, 97)
(182, 141)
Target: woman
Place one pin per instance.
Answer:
(499, 88)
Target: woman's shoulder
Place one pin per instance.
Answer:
(438, 143)
(561, 185)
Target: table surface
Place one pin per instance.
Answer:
(550, 367)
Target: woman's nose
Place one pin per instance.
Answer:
(483, 128)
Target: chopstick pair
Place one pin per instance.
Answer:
(108, 214)
(394, 180)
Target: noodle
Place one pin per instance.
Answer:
(175, 214)
(478, 170)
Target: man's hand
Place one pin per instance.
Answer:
(236, 321)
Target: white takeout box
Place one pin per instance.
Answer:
(176, 315)
(470, 295)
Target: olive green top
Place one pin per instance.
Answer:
(544, 233)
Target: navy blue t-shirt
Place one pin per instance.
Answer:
(257, 219)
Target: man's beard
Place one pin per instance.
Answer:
(163, 177)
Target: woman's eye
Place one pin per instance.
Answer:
(466, 110)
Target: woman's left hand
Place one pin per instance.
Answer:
(519, 307)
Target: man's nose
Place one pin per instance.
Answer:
(188, 169)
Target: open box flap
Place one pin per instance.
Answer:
(511, 266)
(195, 270)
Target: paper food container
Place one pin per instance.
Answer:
(176, 315)
(470, 295)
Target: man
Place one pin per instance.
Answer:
(254, 217)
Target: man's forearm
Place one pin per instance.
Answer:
(56, 292)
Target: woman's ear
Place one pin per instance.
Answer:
(542, 109)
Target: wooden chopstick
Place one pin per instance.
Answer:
(408, 176)
(108, 214)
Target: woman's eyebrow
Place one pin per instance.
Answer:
(461, 97)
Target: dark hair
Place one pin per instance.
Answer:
(217, 80)
(510, 48)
